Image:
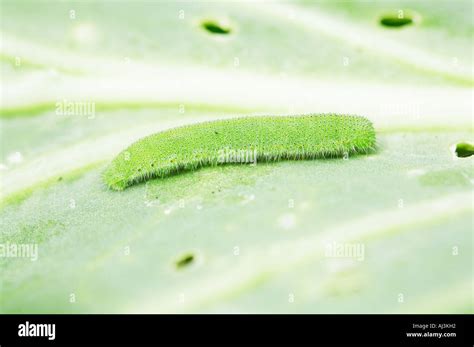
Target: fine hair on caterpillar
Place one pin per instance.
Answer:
(230, 155)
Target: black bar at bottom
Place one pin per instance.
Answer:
(447, 330)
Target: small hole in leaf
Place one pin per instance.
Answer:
(215, 27)
(184, 261)
(397, 19)
(464, 150)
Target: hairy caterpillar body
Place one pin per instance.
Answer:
(240, 140)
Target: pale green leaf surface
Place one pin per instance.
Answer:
(258, 233)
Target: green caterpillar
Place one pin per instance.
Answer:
(240, 140)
